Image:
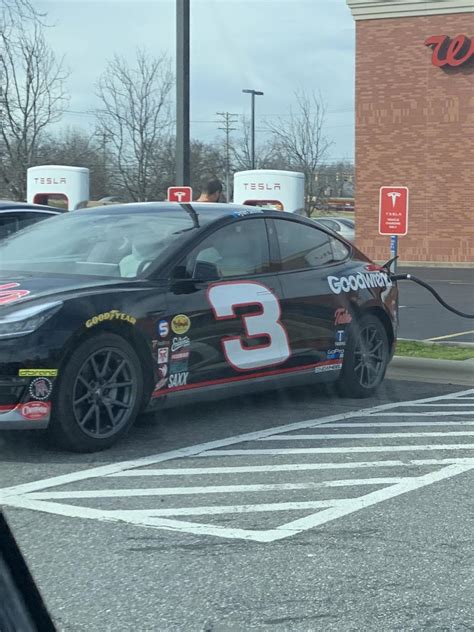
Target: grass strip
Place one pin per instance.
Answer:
(435, 351)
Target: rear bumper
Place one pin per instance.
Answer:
(29, 416)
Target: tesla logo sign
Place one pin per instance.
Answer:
(393, 211)
(451, 52)
(180, 194)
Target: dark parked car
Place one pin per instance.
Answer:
(17, 215)
(118, 309)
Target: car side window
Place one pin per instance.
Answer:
(9, 224)
(304, 247)
(238, 249)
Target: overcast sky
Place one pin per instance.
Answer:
(275, 46)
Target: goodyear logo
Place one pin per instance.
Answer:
(114, 314)
(38, 373)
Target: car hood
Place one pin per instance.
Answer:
(18, 289)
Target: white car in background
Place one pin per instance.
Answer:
(344, 226)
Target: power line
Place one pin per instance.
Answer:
(228, 119)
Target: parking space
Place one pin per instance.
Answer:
(274, 483)
(423, 318)
(347, 515)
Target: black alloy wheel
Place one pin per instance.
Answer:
(365, 359)
(98, 394)
(104, 393)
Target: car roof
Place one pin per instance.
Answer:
(208, 211)
(7, 205)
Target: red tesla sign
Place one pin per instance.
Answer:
(393, 211)
(180, 194)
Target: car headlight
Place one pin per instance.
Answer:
(26, 321)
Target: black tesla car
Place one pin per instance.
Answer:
(114, 310)
(17, 215)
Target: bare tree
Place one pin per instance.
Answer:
(267, 154)
(135, 117)
(300, 137)
(32, 98)
(15, 12)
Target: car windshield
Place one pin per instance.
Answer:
(103, 244)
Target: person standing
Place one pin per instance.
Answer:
(211, 192)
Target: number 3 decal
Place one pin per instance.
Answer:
(224, 298)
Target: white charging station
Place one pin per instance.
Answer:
(270, 188)
(57, 185)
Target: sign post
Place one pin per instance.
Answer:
(393, 216)
(180, 194)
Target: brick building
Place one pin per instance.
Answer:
(415, 124)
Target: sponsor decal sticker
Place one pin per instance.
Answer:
(327, 367)
(163, 328)
(180, 343)
(38, 373)
(40, 388)
(114, 314)
(334, 354)
(178, 379)
(340, 337)
(35, 410)
(342, 316)
(161, 384)
(246, 211)
(180, 324)
(163, 370)
(9, 292)
(359, 281)
(163, 355)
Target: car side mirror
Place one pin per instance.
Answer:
(204, 271)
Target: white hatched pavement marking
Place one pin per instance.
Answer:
(350, 450)
(398, 424)
(287, 467)
(209, 489)
(23, 496)
(427, 413)
(375, 435)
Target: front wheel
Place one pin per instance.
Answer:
(366, 358)
(99, 394)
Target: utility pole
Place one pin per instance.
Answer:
(228, 120)
(253, 94)
(182, 93)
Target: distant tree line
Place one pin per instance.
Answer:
(129, 146)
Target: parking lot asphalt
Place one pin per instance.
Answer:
(423, 318)
(292, 510)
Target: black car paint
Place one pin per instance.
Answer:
(158, 296)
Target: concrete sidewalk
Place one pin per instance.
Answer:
(433, 371)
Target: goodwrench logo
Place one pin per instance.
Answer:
(359, 281)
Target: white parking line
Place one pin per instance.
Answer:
(217, 489)
(286, 467)
(38, 495)
(362, 435)
(350, 450)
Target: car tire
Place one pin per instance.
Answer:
(365, 359)
(98, 396)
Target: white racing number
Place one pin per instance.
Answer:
(224, 298)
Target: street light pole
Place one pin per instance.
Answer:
(253, 94)
(182, 93)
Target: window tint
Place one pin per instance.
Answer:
(236, 250)
(302, 246)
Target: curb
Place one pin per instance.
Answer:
(446, 343)
(433, 371)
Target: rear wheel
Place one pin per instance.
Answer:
(365, 359)
(99, 394)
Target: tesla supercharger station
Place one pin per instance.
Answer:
(59, 186)
(270, 188)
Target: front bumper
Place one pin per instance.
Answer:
(26, 416)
